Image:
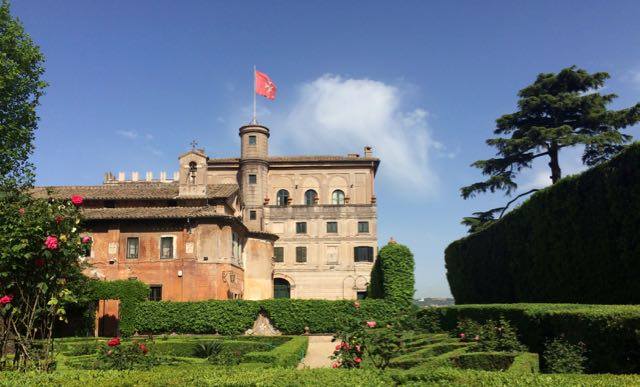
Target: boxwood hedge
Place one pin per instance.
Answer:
(611, 333)
(229, 317)
(576, 241)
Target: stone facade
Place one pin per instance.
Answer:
(252, 227)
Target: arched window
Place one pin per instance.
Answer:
(193, 169)
(310, 197)
(281, 288)
(337, 197)
(282, 197)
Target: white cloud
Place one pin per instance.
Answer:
(335, 115)
(127, 134)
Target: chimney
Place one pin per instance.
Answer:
(149, 176)
(135, 176)
(368, 151)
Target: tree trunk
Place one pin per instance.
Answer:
(554, 164)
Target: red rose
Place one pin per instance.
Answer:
(59, 219)
(39, 262)
(114, 342)
(77, 200)
(143, 348)
(6, 299)
(338, 347)
(357, 360)
(335, 365)
(51, 242)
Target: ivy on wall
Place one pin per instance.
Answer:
(392, 275)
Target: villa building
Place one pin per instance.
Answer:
(253, 227)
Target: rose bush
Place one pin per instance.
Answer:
(119, 355)
(40, 243)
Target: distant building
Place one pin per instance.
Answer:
(252, 227)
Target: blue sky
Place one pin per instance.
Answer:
(132, 83)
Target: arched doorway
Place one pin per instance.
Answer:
(281, 288)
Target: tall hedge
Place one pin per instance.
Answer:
(392, 275)
(231, 317)
(576, 241)
(611, 333)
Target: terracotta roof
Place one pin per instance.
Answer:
(131, 190)
(298, 158)
(152, 213)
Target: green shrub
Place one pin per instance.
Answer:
(500, 337)
(129, 292)
(561, 357)
(525, 363)
(611, 333)
(576, 241)
(186, 347)
(231, 317)
(392, 276)
(207, 349)
(288, 354)
(487, 361)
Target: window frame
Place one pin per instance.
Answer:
(336, 199)
(275, 255)
(333, 222)
(313, 200)
(299, 226)
(253, 214)
(285, 197)
(253, 140)
(369, 256)
(363, 222)
(173, 246)
(299, 250)
(137, 255)
(254, 177)
(151, 292)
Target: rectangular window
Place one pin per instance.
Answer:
(155, 293)
(252, 215)
(133, 245)
(252, 140)
(301, 227)
(278, 254)
(301, 254)
(361, 295)
(363, 227)
(363, 254)
(166, 247)
(332, 227)
(253, 179)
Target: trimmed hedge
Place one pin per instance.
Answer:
(230, 317)
(392, 275)
(287, 355)
(611, 333)
(487, 361)
(576, 241)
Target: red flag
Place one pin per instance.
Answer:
(264, 86)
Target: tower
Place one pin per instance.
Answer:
(254, 166)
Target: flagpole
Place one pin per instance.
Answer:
(254, 121)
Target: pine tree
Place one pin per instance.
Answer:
(555, 112)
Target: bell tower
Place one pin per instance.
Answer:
(254, 166)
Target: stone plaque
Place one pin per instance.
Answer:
(113, 248)
(189, 248)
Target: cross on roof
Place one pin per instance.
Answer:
(194, 144)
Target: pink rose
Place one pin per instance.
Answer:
(21, 211)
(358, 349)
(371, 324)
(51, 242)
(6, 299)
(357, 360)
(338, 347)
(86, 239)
(335, 365)
(77, 200)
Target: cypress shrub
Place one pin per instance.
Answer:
(392, 275)
(576, 241)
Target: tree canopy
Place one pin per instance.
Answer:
(21, 86)
(555, 112)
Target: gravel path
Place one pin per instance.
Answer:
(318, 352)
